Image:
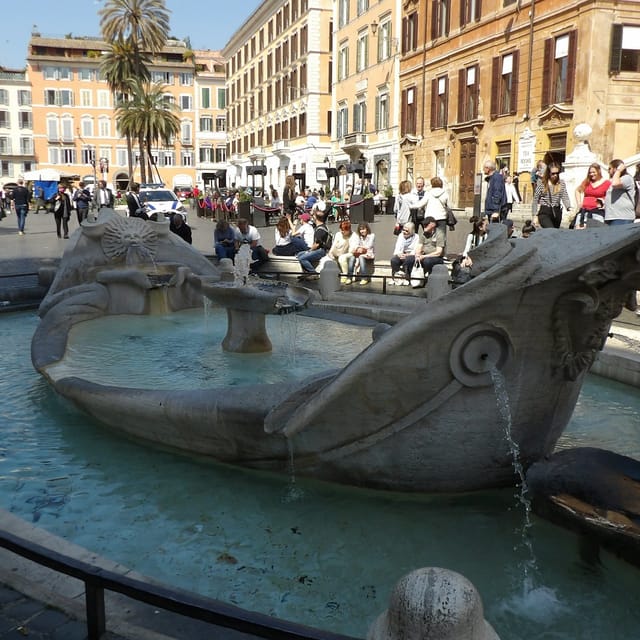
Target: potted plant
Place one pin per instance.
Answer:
(244, 204)
(389, 199)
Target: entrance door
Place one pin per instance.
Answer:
(467, 172)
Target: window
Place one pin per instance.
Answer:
(382, 112)
(625, 49)
(104, 127)
(85, 97)
(362, 6)
(122, 158)
(27, 166)
(53, 134)
(186, 158)
(168, 158)
(221, 154)
(205, 98)
(7, 168)
(4, 97)
(384, 40)
(67, 129)
(221, 124)
(4, 119)
(409, 111)
(343, 13)
(343, 61)
(360, 116)
(362, 51)
(103, 99)
(222, 98)
(185, 103)
(186, 79)
(86, 74)
(25, 120)
(185, 133)
(87, 128)
(26, 146)
(58, 97)
(410, 32)
(342, 128)
(206, 123)
(504, 85)
(24, 98)
(68, 155)
(560, 60)
(469, 11)
(56, 73)
(468, 93)
(439, 102)
(163, 77)
(5, 145)
(206, 154)
(440, 18)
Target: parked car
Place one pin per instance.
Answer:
(158, 200)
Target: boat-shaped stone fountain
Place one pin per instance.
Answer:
(415, 411)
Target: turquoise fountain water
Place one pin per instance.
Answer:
(324, 555)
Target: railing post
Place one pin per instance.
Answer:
(96, 619)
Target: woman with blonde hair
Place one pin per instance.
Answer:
(289, 195)
(590, 196)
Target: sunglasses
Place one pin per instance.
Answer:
(555, 173)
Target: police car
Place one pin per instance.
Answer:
(158, 200)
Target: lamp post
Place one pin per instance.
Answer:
(94, 204)
(104, 167)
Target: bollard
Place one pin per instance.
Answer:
(329, 279)
(438, 282)
(433, 604)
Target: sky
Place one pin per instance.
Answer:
(209, 25)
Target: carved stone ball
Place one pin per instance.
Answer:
(435, 604)
(582, 132)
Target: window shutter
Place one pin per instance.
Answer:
(495, 88)
(462, 90)
(377, 115)
(434, 101)
(571, 70)
(403, 115)
(547, 74)
(478, 10)
(463, 12)
(615, 55)
(516, 82)
(446, 102)
(447, 18)
(434, 18)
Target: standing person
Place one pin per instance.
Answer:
(496, 198)
(104, 196)
(20, 199)
(619, 203)
(402, 206)
(82, 198)
(551, 194)
(135, 208)
(289, 196)
(590, 196)
(512, 194)
(62, 211)
(418, 213)
(437, 200)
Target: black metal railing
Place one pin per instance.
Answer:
(97, 580)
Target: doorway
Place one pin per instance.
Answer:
(467, 172)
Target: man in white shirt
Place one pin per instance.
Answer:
(248, 234)
(104, 196)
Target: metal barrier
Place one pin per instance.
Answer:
(208, 610)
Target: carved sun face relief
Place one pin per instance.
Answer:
(122, 234)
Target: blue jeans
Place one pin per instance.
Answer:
(21, 213)
(306, 258)
(613, 223)
(225, 251)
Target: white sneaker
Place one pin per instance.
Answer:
(405, 283)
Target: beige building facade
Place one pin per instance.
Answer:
(74, 127)
(509, 81)
(279, 94)
(366, 65)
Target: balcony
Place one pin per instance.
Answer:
(281, 148)
(354, 144)
(257, 153)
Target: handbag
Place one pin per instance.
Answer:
(417, 275)
(452, 221)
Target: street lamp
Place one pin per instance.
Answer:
(104, 167)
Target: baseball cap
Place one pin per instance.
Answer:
(321, 205)
(305, 217)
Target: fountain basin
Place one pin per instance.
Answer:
(417, 409)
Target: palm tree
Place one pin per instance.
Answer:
(137, 29)
(150, 117)
(143, 23)
(117, 67)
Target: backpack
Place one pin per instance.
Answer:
(328, 241)
(636, 204)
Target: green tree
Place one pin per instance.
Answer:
(117, 67)
(150, 117)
